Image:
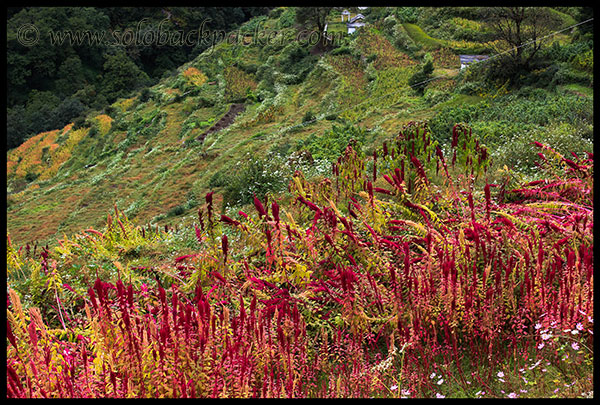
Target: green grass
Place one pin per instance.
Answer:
(459, 47)
(418, 35)
(460, 99)
(578, 89)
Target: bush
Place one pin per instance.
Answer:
(342, 50)
(471, 88)
(516, 150)
(418, 80)
(332, 143)
(79, 122)
(176, 211)
(145, 95)
(288, 18)
(403, 41)
(433, 96)
(296, 60)
(308, 117)
(567, 75)
(408, 14)
(255, 177)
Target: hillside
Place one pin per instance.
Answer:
(140, 152)
(365, 217)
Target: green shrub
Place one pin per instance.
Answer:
(255, 177)
(516, 149)
(403, 41)
(408, 14)
(176, 211)
(471, 88)
(418, 81)
(145, 95)
(308, 117)
(296, 60)
(332, 143)
(567, 75)
(288, 18)
(31, 176)
(342, 50)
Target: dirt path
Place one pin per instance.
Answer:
(225, 120)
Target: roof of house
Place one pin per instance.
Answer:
(355, 24)
(357, 17)
(464, 59)
(345, 12)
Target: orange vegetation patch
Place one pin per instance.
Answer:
(194, 77)
(27, 158)
(67, 128)
(104, 123)
(59, 154)
(119, 137)
(73, 198)
(445, 58)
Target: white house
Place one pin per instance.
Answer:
(347, 14)
(355, 22)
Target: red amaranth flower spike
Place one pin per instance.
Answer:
(229, 221)
(198, 234)
(259, 207)
(275, 210)
(224, 245)
(182, 258)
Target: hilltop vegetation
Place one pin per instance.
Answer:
(348, 218)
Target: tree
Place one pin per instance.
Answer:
(121, 76)
(584, 14)
(313, 15)
(419, 80)
(521, 31)
(70, 76)
(16, 128)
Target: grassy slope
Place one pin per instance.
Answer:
(148, 176)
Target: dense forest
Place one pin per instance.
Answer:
(57, 79)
